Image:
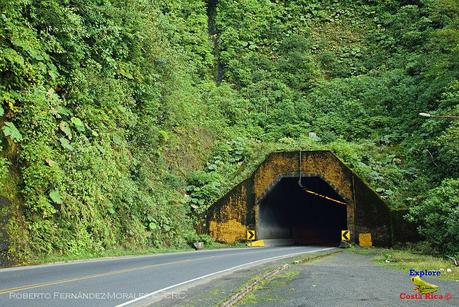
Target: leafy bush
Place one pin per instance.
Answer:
(437, 217)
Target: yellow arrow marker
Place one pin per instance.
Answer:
(250, 235)
(345, 235)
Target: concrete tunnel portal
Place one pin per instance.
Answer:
(289, 212)
(301, 197)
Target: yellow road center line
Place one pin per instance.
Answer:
(63, 281)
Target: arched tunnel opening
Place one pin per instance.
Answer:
(270, 204)
(313, 213)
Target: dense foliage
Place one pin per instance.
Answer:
(439, 216)
(123, 120)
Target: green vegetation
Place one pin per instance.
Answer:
(53, 258)
(123, 121)
(278, 281)
(107, 253)
(405, 259)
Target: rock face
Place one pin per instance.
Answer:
(273, 201)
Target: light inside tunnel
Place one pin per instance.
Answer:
(288, 212)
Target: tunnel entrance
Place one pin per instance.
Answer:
(271, 202)
(311, 214)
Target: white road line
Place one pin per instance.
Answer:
(219, 272)
(5, 291)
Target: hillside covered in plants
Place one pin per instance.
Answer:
(122, 121)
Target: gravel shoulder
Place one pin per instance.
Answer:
(339, 279)
(345, 279)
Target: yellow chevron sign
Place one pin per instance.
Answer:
(345, 235)
(250, 235)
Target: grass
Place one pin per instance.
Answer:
(284, 278)
(122, 252)
(106, 253)
(404, 260)
(278, 281)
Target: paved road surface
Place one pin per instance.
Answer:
(115, 281)
(347, 280)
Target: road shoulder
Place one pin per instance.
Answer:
(340, 279)
(220, 290)
(345, 279)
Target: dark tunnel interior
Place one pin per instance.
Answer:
(288, 212)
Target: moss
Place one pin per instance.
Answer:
(228, 231)
(373, 215)
(15, 236)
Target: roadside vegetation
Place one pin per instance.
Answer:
(53, 258)
(121, 122)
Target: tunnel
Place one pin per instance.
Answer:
(271, 204)
(310, 213)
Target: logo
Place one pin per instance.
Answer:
(424, 290)
(424, 273)
(423, 286)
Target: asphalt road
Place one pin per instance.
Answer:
(348, 280)
(131, 280)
